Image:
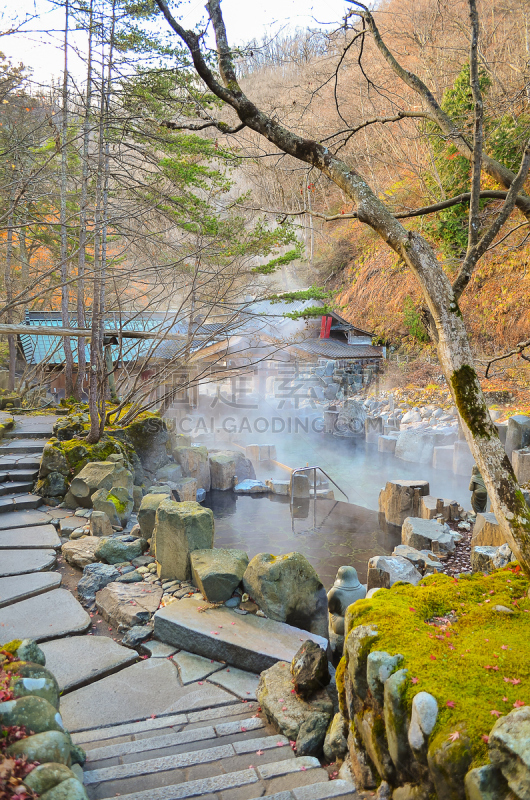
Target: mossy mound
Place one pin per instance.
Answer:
(473, 659)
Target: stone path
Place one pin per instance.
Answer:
(170, 726)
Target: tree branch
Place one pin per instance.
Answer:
(478, 132)
(518, 350)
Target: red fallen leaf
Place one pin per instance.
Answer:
(485, 738)
(454, 736)
(504, 646)
(505, 700)
(433, 658)
(495, 713)
(414, 680)
(412, 609)
(450, 704)
(279, 744)
(153, 716)
(515, 681)
(518, 704)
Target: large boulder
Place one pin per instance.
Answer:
(487, 783)
(116, 551)
(99, 475)
(225, 465)
(44, 747)
(117, 504)
(47, 775)
(55, 484)
(127, 604)
(401, 499)
(195, 464)
(385, 571)
(53, 460)
(218, 572)
(71, 789)
(518, 433)
(34, 679)
(95, 577)
(34, 713)
(185, 490)
(288, 589)
(147, 512)
(304, 721)
(428, 534)
(179, 529)
(416, 446)
(487, 531)
(81, 552)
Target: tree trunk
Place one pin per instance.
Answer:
(8, 281)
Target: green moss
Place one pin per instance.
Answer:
(466, 390)
(452, 663)
(118, 504)
(339, 679)
(12, 646)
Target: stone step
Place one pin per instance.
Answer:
(141, 747)
(259, 776)
(20, 562)
(15, 487)
(48, 616)
(249, 642)
(81, 660)
(27, 431)
(14, 462)
(24, 519)
(19, 475)
(42, 537)
(19, 502)
(21, 587)
(21, 446)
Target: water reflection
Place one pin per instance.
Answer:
(329, 533)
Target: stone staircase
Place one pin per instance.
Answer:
(215, 754)
(20, 454)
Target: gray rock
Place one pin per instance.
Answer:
(416, 446)
(29, 650)
(297, 718)
(222, 470)
(335, 743)
(130, 577)
(34, 713)
(100, 524)
(486, 783)
(240, 682)
(180, 528)
(170, 472)
(137, 498)
(422, 560)
(309, 669)
(147, 513)
(288, 589)
(487, 532)
(45, 747)
(422, 533)
(401, 499)
(192, 667)
(117, 503)
(186, 490)
(482, 559)
(299, 485)
(396, 719)
(55, 484)
(410, 791)
(251, 487)
(95, 577)
(195, 464)
(136, 635)
(423, 719)
(379, 667)
(357, 648)
(53, 460)
(503, 556)
(509, 750)
(385, 571)
(448, 766)
(253, 643)
(67, 790)
(99, 475)
(35, 680)
(157, 649)
(218, 572)
(518, 433)
(127, 604)
(115, 551)
(46, 776)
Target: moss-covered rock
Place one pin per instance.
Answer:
(33, 679)
(43, 747)
(46, 776)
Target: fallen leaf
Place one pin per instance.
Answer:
(518, 704)
(450, 704)
(259, 752)
(495, 713)
(485, 738)
(414, 680)
(454, 736)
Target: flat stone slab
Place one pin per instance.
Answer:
(47, 616)
(251, 642)
(23, 519)
(242, 684)
(23, 446)
(128, 604)
(157, 649)
(20, 562)
(19, 502)
(23, 586)
(80, 660)
(194, 668)
(38, 537)
(137, 692)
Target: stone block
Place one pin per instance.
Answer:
(222, 470)
(443, 457)
(217, 572)
(288, 589)
(99, 475)
(278, 487)
(386, 444)
(253, 643)
(482, 558)
(415, 445)
(186, 490)
(463, 461)
(518, 433)
(384, 571)
(117, 504)
(251, 487)
(170, 472)
(179, 529)
(100, 524)
(487, 531)
(509, 750)
(502, 430)
(147, 513)
(81, 552)
(373, 429)
(428, 534)
(521, 464)
(424, 561)
(195, 464)
(128, 604)
(300, 485)
(401, 499)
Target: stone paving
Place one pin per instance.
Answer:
(171, 726)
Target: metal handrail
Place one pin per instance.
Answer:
(306, 469)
